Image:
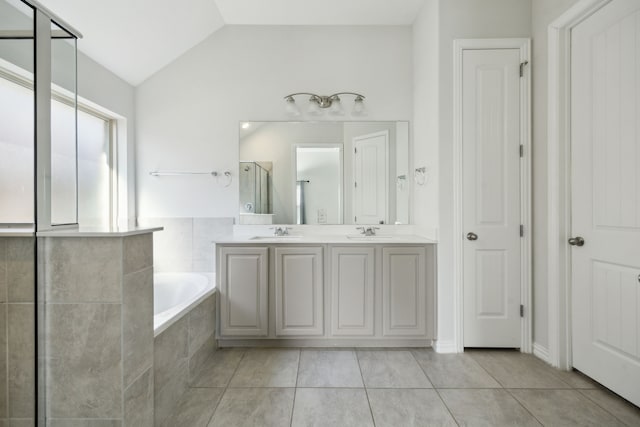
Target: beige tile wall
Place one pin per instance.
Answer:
(178, 352)
(186, 244)
(98, 338)
(17, 330)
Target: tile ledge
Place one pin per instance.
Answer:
(100, 232)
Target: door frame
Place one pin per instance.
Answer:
(559, 181)
(459, 46)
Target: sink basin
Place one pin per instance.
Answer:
(288, 237)
(362, 237)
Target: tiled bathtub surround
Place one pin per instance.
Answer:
(17, 350)
(186, 244)
(179, 352)
(98, 350)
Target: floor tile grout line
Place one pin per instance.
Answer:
(486, 370)
(213, 413)
(514, 397)
(366, 391)
(422, 369)
(295, 389)
(581, 392)
(436, 390)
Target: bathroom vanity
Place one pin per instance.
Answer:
(323, 290)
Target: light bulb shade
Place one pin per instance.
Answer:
(314, 107)
(291, 107)
(336, 107)
(358, 107)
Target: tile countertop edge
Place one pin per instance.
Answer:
(17, 232)
(99, 232)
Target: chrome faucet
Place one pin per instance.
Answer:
(368, 231)
(281, 231)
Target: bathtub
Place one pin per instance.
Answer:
(175, 294)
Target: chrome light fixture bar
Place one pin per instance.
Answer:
(319, 102)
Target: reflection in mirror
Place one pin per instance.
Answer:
(328, 172)
(318, 184)
(254, 187)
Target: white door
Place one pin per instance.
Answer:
(491, 197)
(371, 178)
(605, 157)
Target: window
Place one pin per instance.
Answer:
(94, 157)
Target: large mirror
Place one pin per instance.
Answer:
(324, 173)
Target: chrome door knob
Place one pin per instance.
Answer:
(472, 236)
(576, 241)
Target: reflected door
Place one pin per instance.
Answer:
(370, 171)
(605, 153)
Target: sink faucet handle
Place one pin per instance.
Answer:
(278, 231)
(362, 230)
(285, 230)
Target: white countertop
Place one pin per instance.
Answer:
(99, 232)
(17, 232)
(352, 239)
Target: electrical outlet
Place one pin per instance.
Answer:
(322, 216)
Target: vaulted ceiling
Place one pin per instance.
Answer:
(136, 38)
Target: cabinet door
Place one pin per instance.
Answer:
(404, 291)
(243, 291)
(352, 290)
(298, 285)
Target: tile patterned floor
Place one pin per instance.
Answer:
(403, 387)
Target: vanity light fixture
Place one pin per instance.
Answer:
(317, 103)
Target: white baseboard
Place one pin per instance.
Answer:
(445, 346)
(541, 352)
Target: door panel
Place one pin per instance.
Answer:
(404, 291)
(491, 197)
(352, 289)
(605, 153)
(243, 291)
(298, 285)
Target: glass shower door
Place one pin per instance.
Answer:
(17, 215)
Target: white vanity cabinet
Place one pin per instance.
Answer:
(327, 294)
(243, 281)
(298, 280)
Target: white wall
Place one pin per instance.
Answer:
(543, 12)
(425, 114)
(188, 113)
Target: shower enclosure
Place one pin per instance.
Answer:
(38, 190)
(255, 187)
